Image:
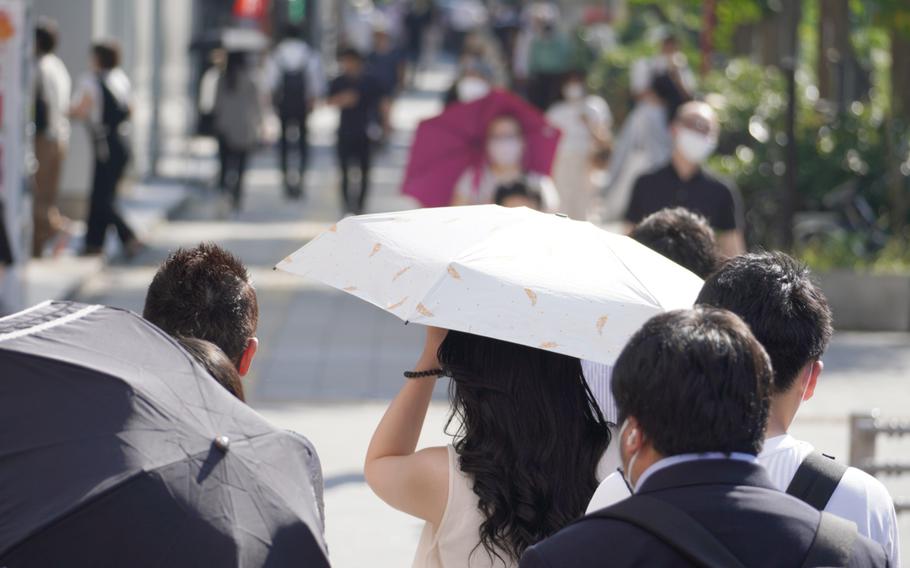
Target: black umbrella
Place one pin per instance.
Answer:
(117, 449)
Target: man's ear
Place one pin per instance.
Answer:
(815, 369)
(246, 358)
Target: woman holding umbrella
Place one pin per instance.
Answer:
(503, 164)
(510, 479)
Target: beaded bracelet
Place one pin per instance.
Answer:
(422, 374)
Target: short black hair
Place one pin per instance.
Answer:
(350, 52)
(516, 189)
(684, 237)
(204, 292)
(216, 362)
(293, 31)
(696, 381)
(107, 54)
(775, 295)
(46, 35)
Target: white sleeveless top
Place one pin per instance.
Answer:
(455, 542)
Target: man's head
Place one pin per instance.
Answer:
(695, 130)
(351, 61)
(45, 36)
(519, 194)
(691, 381)
(105, 55)
(205, 292)
(682, 236)
(788, 314)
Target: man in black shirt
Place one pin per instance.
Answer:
(362, 101)
(684, 183)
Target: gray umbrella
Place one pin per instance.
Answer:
(117, 449)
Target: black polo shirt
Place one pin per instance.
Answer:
(703, 193)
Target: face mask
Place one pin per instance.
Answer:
(626, 471)
(505, 151)
(573, 91)
(471, 88)
(695, 146)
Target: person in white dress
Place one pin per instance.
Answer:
(585, 122)
(525, 459)
(503, 164)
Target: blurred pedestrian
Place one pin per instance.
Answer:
(52, 97)
(689, 449)
(585, 121)
(510, 478)
(385, 62)
(644, 143)
(684, 181)
(238, 119)
(206, 293)
(550, 57)
(362, 102)
(208, 87)
(503, 163)
(216, 363)
(417, 19)
(519, 194)
(774, 294)
(670, 70)
(295, 79)
(474, 82)
(103, 102)
(684, 237)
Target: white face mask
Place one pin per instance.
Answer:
(573, 91)
(695, 146)
(505, 151)
(626, 471)
(471, 89)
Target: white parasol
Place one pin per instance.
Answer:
(512, 274)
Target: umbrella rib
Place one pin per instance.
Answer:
(651, 295)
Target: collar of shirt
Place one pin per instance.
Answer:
(696, 177)
(683, 458)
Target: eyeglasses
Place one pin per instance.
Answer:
(696, 123)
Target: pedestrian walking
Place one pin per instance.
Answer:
(550, 57)
(684, 181)
(362, 102)
(774, 294)
(103, 102)
(688, 448)
(296, 81)
(585, 121)
(52, 97)
(418, 18)
(509, 480)
(238, 118)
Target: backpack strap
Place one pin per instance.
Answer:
(833, 544)
(816, 479)
(673, 527)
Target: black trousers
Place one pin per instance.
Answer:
(354, 151)
(233, 168)
(289, 122)
(102, 206)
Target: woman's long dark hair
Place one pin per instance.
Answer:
(530, 437)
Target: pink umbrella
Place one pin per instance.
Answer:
(446, 145)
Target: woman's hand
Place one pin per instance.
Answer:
(429, 359)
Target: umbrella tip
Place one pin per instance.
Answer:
(222, 443)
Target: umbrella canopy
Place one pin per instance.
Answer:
(117, 449)
(512, 274)
(448, 144)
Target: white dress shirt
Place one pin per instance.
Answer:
(55, 83)
(859, 497)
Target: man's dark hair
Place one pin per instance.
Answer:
(293, 31)
(518, 189)
(682, 236)
(46, 35)
(204, 292)
(350, 53)
(696, 381)
(775, 295)
(107, 54)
